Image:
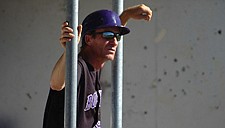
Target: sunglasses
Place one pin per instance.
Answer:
(109, 35)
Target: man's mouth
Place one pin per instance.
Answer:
(111, 49)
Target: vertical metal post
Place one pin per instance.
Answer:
(117, 92)
(71, 68)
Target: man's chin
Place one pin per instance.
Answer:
(110, 57)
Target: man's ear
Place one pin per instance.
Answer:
(88, 39)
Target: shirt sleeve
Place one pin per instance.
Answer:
(54, 110)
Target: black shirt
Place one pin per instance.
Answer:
(88, 100)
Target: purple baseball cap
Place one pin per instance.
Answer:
(102, 19)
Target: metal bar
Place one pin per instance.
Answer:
(71, 68)
(117, 92)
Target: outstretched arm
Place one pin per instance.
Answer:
(137, 12)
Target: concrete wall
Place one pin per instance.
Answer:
(174, 66)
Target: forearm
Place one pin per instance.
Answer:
(124, 17)
(57, 81)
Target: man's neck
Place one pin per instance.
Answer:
(92, 59)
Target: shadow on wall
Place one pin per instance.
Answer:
(6, 122)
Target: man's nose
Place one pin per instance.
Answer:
(114, 41)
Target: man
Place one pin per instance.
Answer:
(100, 32)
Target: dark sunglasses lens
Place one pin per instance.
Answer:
(108, 35)
(118, 37)
(111, 35)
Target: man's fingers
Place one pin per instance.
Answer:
(144, 17)
(67, 35)
(145, 12)
(147, 17)
(65, 24)
(64, 40)
(66, 30)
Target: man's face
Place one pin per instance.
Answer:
(103, 48)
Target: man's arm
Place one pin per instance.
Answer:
(57, 80)
(137, 12)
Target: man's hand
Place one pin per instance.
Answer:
(67, 34)
(137, 12)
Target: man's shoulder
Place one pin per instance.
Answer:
(81, 61)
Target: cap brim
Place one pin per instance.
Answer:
(124, 30)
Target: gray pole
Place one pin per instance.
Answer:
(71, 68)
(117, 92)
